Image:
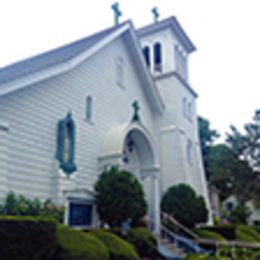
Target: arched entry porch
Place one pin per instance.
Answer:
(130, 147)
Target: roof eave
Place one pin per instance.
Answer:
(60, 68)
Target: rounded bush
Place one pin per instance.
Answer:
(119, 196)
(143, 240)
(118, 248)
(77, 245)
(185, 205)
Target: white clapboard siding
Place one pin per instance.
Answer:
(33, 114)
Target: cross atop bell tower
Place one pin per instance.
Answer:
(156, 14)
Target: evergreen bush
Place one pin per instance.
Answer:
(182, 203)
(26, 238)
(144, 241)
(119, 197)
(77, 245)
(118, 248)
(239, 214)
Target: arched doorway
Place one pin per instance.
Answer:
(132, 148)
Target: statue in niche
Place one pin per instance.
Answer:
(65, 153)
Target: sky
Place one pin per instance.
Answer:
(224, 70)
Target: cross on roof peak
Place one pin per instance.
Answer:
(117, 12)
(156, 14)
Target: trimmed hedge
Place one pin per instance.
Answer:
(200, 257)
(143, 240)
(26, 238)
(118, 248)
(77, 245)
(210, 234)
(227, 231)
(248, 232)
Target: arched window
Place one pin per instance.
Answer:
(157, 49)
(89, 104)
(146, 53)
(65, 152)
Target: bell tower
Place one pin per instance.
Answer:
(166, 49)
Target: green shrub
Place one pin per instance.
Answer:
(224, 252)
(15, 205)
(239, 214)
(249, 231)
(227, 231)
(185, 205)
(26, 238)
(210, 234)
(256, 255)
(77, 245)
(120, 196)
(200, 257)
(241, 236)
(257, 229)
(144, 241)
(118, 248)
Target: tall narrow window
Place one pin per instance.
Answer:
(146, 53)
(89, 108)
(184, 107)
(190, 111)
(190, 152)
(120, 71)
(157, 57)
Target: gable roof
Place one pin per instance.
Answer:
(60, 60)
(178, 31)
(50, 58)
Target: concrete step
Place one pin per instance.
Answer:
(172, 247)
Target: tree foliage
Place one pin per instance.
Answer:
(207, 137)
(182, 203)
(119, 196)
(246, 146)
(229, 174)
(225, 164)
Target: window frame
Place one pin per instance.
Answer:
(157, 57)
(147, 55)
(88, 108)
(120, 71)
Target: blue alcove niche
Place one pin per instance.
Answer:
(65, 153)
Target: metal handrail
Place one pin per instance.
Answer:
(177, 239)
(177, 223)
(214, 242)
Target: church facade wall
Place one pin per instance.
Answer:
(179, 137)
(33, 113)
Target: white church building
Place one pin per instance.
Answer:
(119, 97)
